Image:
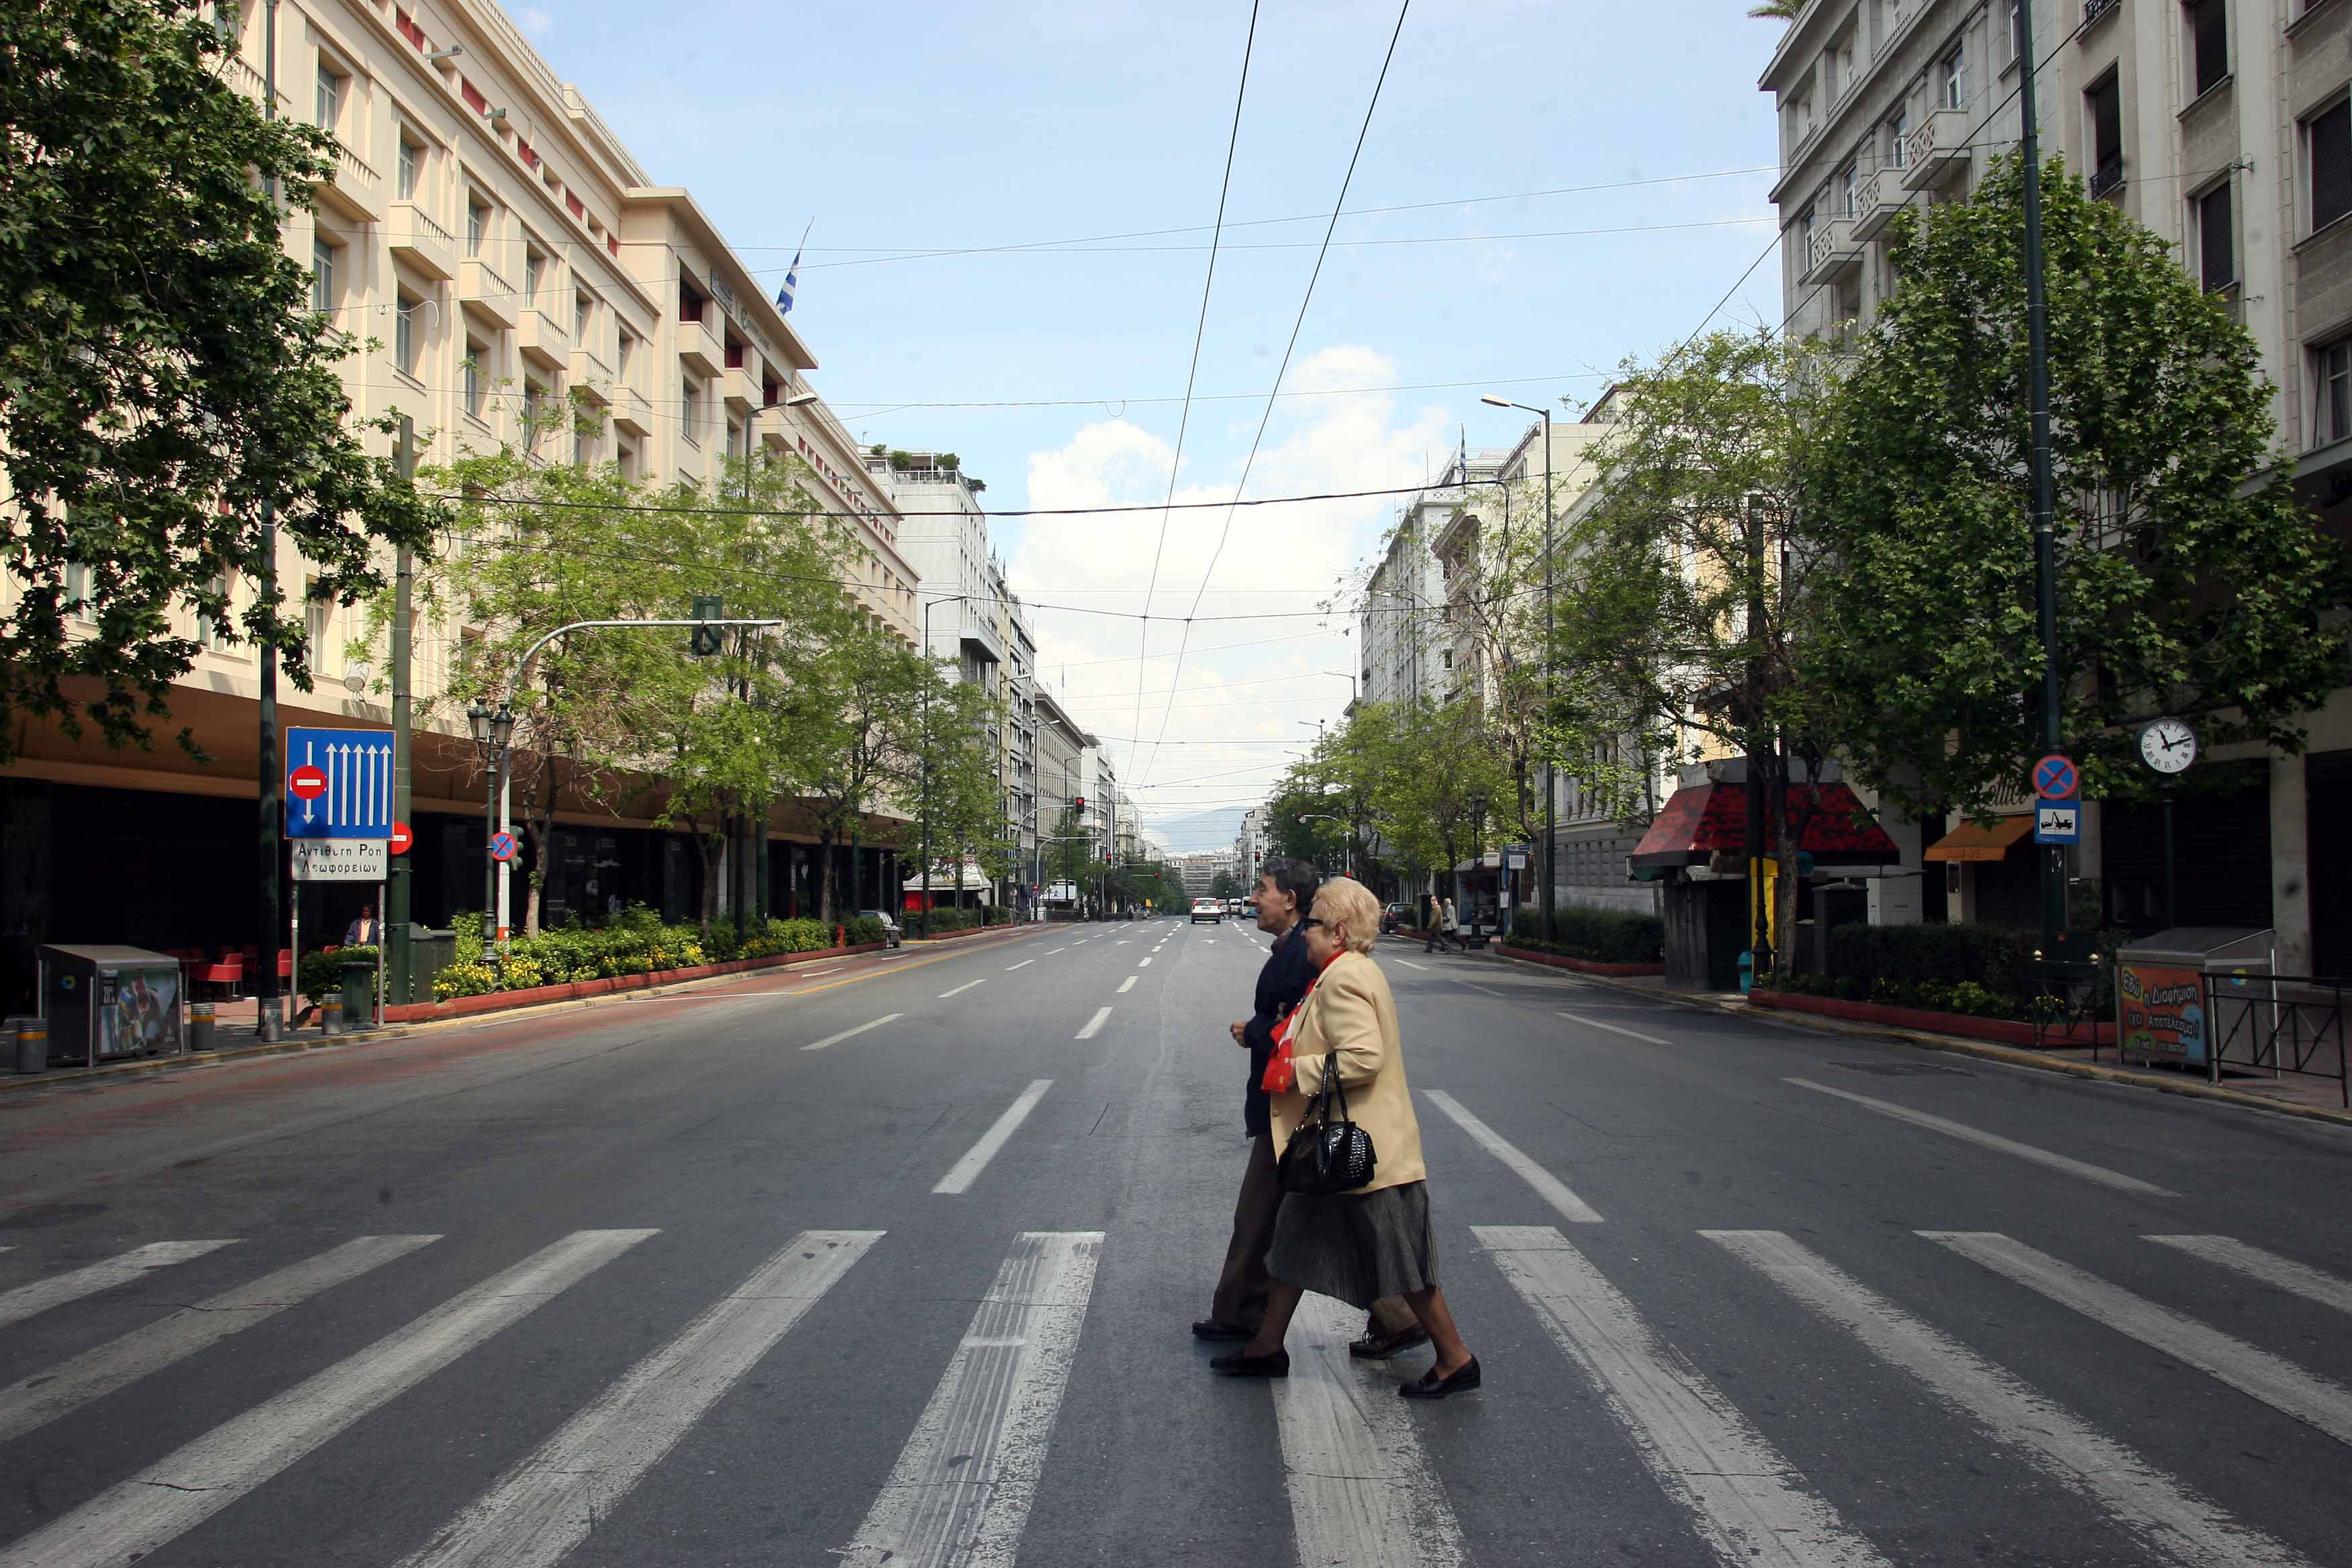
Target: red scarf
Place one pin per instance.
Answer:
(1281, 1072)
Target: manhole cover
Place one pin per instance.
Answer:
(1904, 1069)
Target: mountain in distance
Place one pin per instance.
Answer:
(1198, 829)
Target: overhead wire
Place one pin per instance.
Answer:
(1297, 324)
(1192, 371)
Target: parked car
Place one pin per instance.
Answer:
(1209, 909)
(891, 935)
(1393, 918)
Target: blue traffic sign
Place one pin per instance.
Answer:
(337, 783)
(2054, 778)
(502, 846)
(2058, 822)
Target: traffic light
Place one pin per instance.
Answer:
(1080, 802)
(706, 608)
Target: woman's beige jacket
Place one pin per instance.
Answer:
(1350, 1019)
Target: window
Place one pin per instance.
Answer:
(579, 446)
(405, 343)
(212, 632)
(534, 410)
(75, 602)
(534, 271)
(477, 369)
(2217, 265)
(625, 352)
(405, 172)
(1849, 191)
(2208, 33)
(322, 276)
(625, 454)
(331, 97)
(737, 445)
(1898, 133)
(2332, 377)
(2016, 29)
(2103, 107)
(478, 224)
(2328, 137)
(583, 311)
(689, 300)
(1953, 75)
(690, 410)
(318, 611)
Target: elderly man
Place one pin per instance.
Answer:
(1285, 892)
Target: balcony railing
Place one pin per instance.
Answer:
(1936, 150)
(2095, 11)
(2109, 177)
(1831, 252)
(1882, 198)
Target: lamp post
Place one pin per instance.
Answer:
(492, 733)
(1551, 845)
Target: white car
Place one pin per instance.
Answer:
(1209, 909)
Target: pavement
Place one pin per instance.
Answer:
(892, 1264)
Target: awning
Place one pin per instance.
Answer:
(1969, 842)
(1702, 821)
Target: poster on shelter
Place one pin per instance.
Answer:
(2162, 1011)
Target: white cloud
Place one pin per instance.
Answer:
(1273, 559)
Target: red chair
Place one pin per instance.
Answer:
(227, 973)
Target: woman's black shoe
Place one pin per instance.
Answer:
(1241, 1363)
(1428, 1385)
(1211, 1329)
(1378, 1347)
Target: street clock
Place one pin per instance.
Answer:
(2168, 745)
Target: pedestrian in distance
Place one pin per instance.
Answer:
(1376, 1239)
(1285, 892)
(1433, 915)
(1453, 924)
(364, 932)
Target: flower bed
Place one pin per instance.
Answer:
(636, 943)
(968, 931)
(461, 1007)
(2006, 1031)
(1582, 965)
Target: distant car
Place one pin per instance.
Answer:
(1393, 918)
(891, 935)
(1209, 909)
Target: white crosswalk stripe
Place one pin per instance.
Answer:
(961, 1491)
(1749, 1505)
(966, 1171)
(2279, 1383)
(2162, 1511)
(1362, 1488)
(46, 1396)
(1548, 1187)
(547, 1505)
(2285, 1273)
(132, 1517)
(26, 1301)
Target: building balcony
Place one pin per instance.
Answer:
(354, 188)
(489, 295)
(2109, 177)
(632, 412)
(701, 348)
(741, 389)
(1937, 150)
(1881, 199)
(590, 376)
(1831, 253)
(541, 336)
(420, 242)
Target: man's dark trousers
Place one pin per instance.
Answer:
(1241, 1288)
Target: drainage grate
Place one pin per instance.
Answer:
(1904, 1069)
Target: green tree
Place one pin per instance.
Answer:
(1684, 612)
(2190, 581)
(1224, 885)
(1438, 787)
(164, 384)
(960, 797)
(857, 711)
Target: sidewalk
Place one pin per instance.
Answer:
(2313, 1098)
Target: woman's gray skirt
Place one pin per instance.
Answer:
(1357, 1247)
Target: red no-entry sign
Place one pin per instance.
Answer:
(306, 782)
(401, 838)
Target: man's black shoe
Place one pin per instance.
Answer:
(1211, 1329)
(1241, 1363)
(1377, 1347)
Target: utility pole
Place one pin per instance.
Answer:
(2045, 542)
(269, 1003)
(399, 890)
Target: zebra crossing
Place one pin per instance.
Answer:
(1365, 1474)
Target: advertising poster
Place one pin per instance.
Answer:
(2163, 1011)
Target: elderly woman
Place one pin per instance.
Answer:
(1376, 1240)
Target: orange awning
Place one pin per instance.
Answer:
(1969, 842)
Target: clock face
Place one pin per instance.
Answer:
(2168, 745)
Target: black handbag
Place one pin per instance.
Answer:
(1325, 1155)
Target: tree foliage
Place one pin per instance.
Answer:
(164, 383)
(2190, 581)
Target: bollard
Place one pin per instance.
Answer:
(331, 1014)
(31, 1044)
(200, 1026)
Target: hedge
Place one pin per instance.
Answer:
(1599, 936)
(1983, 971)
(915, 922)
(637, 942)
(321, 971)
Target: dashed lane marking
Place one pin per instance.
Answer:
(1993, 1141)
(1094, 1026)
(845, 1034)
(966, 1170)
(1615, 1030)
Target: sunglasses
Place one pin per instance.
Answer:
(1310, 921)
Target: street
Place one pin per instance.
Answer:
(891, 1262)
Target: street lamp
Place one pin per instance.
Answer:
(492, 732)
(1551, 834)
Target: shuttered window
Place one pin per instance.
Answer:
(2330, 137)
(2208, 29)
(2216, 261)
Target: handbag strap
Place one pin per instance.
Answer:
(1321, 1108)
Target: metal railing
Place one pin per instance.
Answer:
(2277, 1025)
(2095, 9)
(2108, 176)
(2069, 1002)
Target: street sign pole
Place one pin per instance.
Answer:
(398, 891)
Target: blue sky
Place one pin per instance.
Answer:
(906, 127)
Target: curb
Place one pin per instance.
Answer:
(1578, 965)
(967, 933)
(2008, 1055)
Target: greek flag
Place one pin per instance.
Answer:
(792, 274)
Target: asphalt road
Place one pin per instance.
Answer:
(749, 1274)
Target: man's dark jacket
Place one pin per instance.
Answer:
(1280, 985)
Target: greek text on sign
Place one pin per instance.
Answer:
(340, 860)
(338, 784)
(2058, 823)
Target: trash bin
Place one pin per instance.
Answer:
(2160, 986)
(358, 994)
(29, 1037)
(429, 952)
(104, 1003)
